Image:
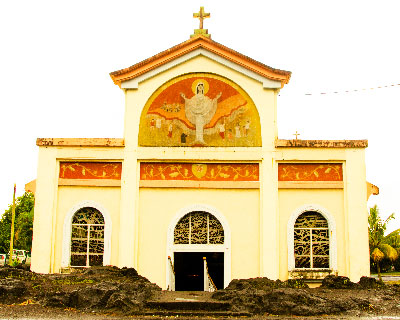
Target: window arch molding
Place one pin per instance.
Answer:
(171, 248)
(67, 230)
(332, 234)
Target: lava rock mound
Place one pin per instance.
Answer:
(337, 295)
(92, 289)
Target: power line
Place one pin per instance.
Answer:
(353, 90)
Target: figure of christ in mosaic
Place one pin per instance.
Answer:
(196, 110)
(200, 109)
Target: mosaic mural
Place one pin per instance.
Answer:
(90, 170)
(200, 110)
(310, 172)
(199, 171)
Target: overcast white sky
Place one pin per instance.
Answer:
(56, 56)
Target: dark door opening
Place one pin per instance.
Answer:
(189, 270)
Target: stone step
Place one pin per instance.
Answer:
(188, 305)
(194, 313)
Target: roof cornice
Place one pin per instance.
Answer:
(281, 143)
(190, 45)
(80, 142)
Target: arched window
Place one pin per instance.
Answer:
(198, 228)
(87, 238)
(311, 241)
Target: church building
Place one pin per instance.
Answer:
(200, 190)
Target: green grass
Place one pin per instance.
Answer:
(391, 273)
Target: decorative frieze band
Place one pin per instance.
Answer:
(91, 170)
(310, 172)
(199, 171)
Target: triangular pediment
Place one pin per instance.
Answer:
(130, 77)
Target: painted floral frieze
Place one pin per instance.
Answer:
(90, 170)
(199, 171)
(310, 172)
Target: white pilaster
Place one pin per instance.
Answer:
(269, 222)
(356, 215)
(45, 211)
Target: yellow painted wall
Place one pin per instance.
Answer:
(46, 220)
(258, 218)
(352, 218)
(158, 207)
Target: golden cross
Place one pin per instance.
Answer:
(296, 134)
(201, 15)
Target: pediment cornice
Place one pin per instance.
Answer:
(270, 77)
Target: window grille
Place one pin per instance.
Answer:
(198, 228)
(87, 238)
(311, 241)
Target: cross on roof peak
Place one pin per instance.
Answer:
(201, 15)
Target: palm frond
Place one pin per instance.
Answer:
(393, 233)
(388, 251)
(377, 255)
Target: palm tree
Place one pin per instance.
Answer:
(379, 244)
(393, 239)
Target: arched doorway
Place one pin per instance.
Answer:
(194, 235)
